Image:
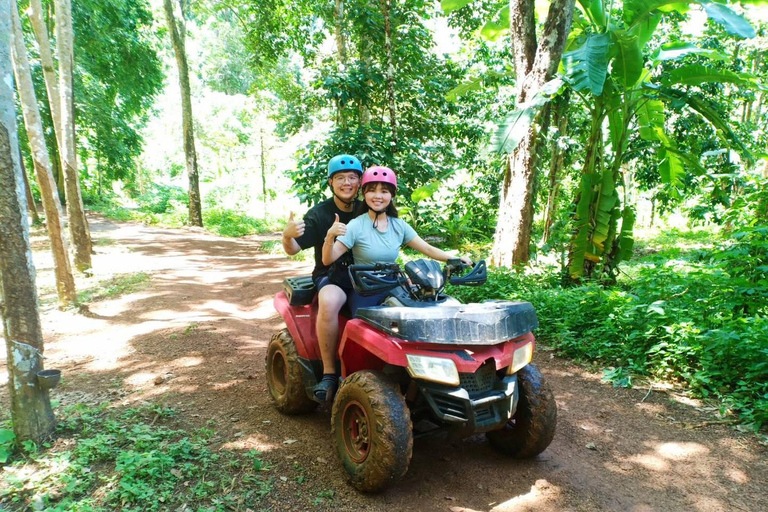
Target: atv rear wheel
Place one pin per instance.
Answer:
(532, 427)
(285, 376)
(371, 428)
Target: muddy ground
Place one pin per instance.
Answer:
(194, 338)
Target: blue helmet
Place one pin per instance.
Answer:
(344, 163)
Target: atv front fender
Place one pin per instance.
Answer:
(364, 347)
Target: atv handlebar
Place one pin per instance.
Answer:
(383, 277)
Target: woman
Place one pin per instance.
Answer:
(377, 234)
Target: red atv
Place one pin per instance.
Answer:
(422, 358)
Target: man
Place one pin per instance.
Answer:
(330, 218)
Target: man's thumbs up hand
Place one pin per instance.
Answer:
(293, 229)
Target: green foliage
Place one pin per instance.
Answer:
(699, 317)
(7, 444)
(128, 460)
(234, 224)
(160, 198)
(115, 85)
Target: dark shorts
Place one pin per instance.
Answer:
(324, 280)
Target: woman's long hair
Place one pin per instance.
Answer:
(391, 210)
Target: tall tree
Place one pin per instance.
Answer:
(65, 283)
(536, 61)
(178, 35)
(49, 68)
(78, 224)
(30, 404)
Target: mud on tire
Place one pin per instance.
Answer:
(285, 378)
(372, 431)
(531, 429)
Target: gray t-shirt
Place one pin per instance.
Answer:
(369, 245)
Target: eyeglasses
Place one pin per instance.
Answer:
(338, 179)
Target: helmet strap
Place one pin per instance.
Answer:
(376, 219)
(347, 204)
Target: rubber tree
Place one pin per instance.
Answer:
(177, 30)
(605, 66)
(65, 282)
(535, 61)
(31, 411)
(78, 224)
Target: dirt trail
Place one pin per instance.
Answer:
(201, 327)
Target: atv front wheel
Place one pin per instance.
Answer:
(532, 427)
(285, 376)
(371, 428)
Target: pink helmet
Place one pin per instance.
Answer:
(379, 174)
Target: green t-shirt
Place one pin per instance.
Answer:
(369, 245)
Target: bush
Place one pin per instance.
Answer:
(703, 322)
(231, 223)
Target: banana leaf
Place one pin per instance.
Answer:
(496, 26)
(449, 6)
(626, 237)
(650, 119)
(680, 49)
(671, 168)
(627, 66)
(697, 74)
(605, 203)
(579, 242)
(733, 23)
(587, 66)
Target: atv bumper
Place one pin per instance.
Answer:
(474, 412)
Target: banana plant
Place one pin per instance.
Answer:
(605, 65)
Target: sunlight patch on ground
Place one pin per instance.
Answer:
(680, 451)
(262, 311)
(686, 400)
(187, 362)
(650, 408)
(540, 491)
(252, 442)
(226, 385)
(652, 462)
(140, 378)
(159, 391)
(737, 475)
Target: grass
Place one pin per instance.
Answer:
(134, 460)
(174, 214)
(115, 286)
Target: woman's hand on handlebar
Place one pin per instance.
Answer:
(467, 261)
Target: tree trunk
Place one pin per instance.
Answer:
(31, 411)
(65, 282)
(49, 68)
(58, 177)
(535, 64)
(263, 173)
(556, 161)
(341, 50)
(31, 209)
(178, 35)
(386, 11)
(78, 224)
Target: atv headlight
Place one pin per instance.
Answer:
(436, 369)
(520, 358)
